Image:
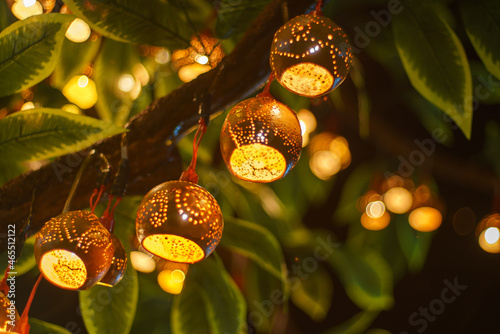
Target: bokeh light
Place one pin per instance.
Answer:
(81, 91)
(375, 223)
(142, 262)
(126, 83)
(425, 219)
(171, 281)
(78, 31)
(398, 200)
(25, 9)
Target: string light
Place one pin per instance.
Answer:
(78, 31)
(82, 91)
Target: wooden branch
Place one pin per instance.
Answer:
(164, 121)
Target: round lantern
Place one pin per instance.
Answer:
(260, 140)
(118, 264)
(179, 221)
(310, 55)
(8, 315)
(73, 250)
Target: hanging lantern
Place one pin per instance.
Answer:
(8, 315)
(73, 250)
(310, 55)
(118, 264)
(179, 221)
(260, 140)
(488, 233)
(425, 215)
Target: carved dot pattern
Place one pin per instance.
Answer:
(260, 140)
(118, 265)
(71, 238)
(179, 221)
(310, 55)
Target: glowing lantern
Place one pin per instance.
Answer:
(260, 140)
(118, 264)
(8, 315)
(310, 55)
(488, 233)
(81, 91)
(74, 250)
(179, 221)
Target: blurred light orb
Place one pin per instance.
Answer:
(162, 56)
(28, 105)
(324, 164)
(486, 241)
(126, 83)
(81, 91)
(142, 262)
(398, 200)
(141, 74)
(201, 59)
(78, 31)
(375, 209)
(425, 219)
(310, 55)
(171, 281)
(192, 71)
(22, 11)
(375, 223)
(492, 235)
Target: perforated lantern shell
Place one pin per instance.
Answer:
(260, 140)
(8, 315)
(310, 55)
(118, 264)
(74, 250)
(179, 221)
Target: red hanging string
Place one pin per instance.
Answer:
(265, 90)
(319, 4)
(22, 326)
(190, 173)
(99, 192)
(4, 287)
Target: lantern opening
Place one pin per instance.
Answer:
(257, 163)
(64, 269)
(173, 248)
(307, 79)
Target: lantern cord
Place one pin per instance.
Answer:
(22, 326)
(79, 174)
(265, 90)
(190, 173)
(319, 4)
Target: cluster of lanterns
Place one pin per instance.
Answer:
(399, 196)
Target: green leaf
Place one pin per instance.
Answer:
(9, 170)
(234, 17)
(254, 242)
(42, 327)
(224, 303)
(29, 50)
(153, 22)
(74, 58)
(366, 277)
(358, 324)
(108, 310)
(185, 320)
(46, 133)
(482, 24)
(435, 61)
(313, 295)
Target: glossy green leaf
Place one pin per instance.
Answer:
(313, 295)
(185, 320)
(224, 303)
(42, 327)
(358, 324)
(115, 62)
(29, 50)
(153, 22)
(435, 61)
(366, 277)
(415, 245)
(46, 133)
(234, 17)
(74, 58)
(482, 24)
(107, 310)
(254, 242)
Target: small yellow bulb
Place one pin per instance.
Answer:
(26, 8)
(81, 91)
(78, 31)
(398, 200)
(171, 281)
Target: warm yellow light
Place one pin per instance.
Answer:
(173, 248)
(398, 200)
(486, 240)
(324, 164)
(21, 11)
(141, 74)
(201, 59)
(375, 224)
(81, 91)
(83, 81)
(340, 147)
(63, 268)
(162, 56)
(375, 209)
(126, 83)
(28, 3)
(307, 121)
(192, 71)
(78, 31)
(425, 219)
(9, 316)
(307, 79)
(142, 262)
(71, 108)
(492, 235)
(171, 281)
(257, 163)
(27, 105)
